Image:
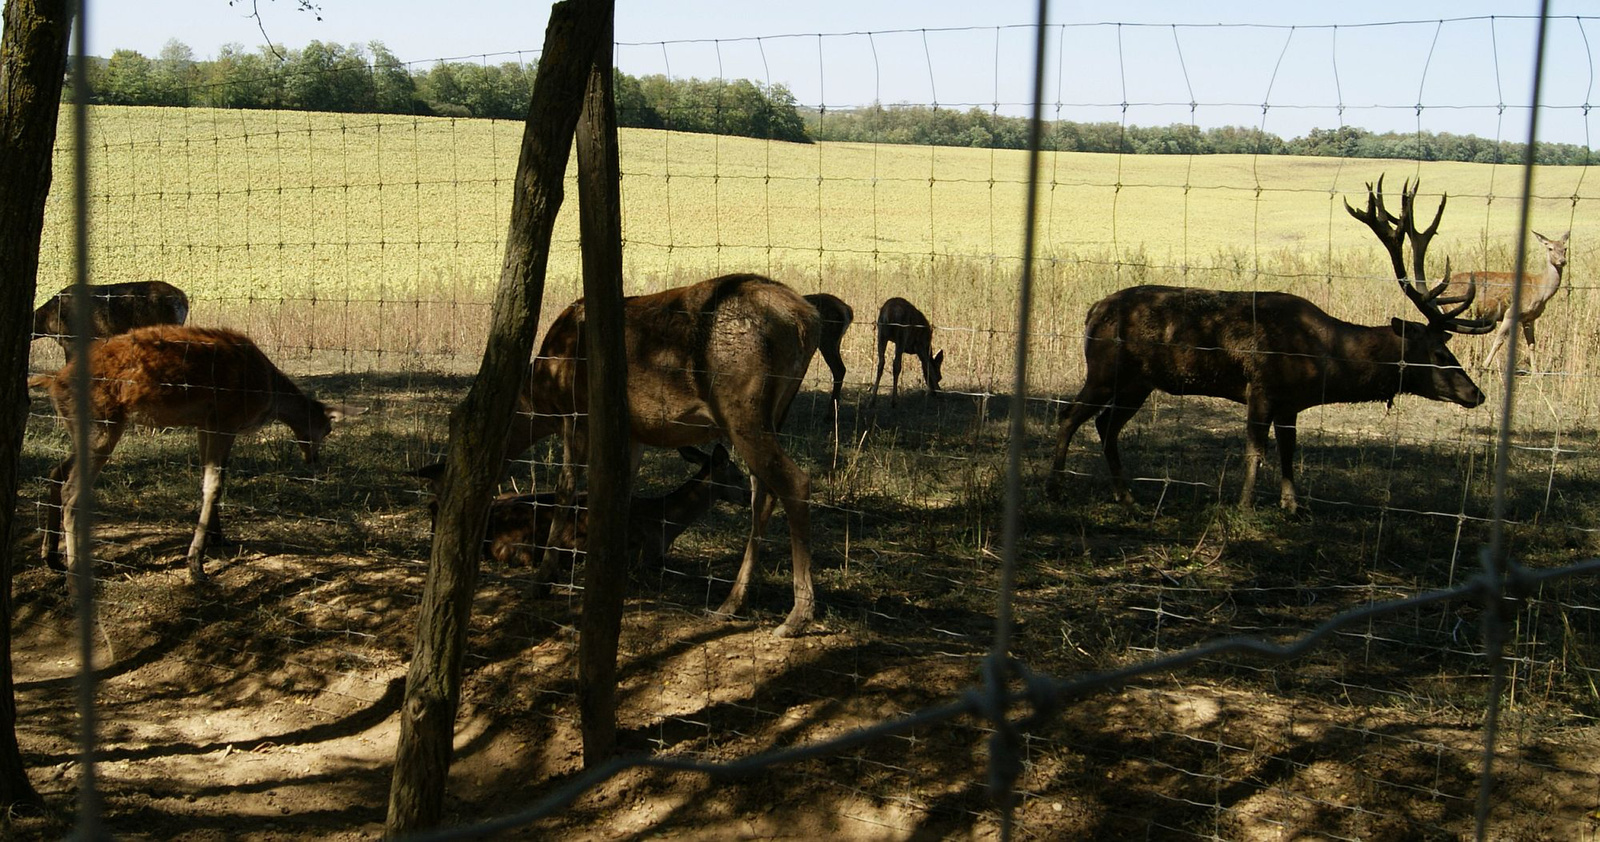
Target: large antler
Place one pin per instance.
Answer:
(1393, 231)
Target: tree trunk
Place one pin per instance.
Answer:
(478, 426)
(610, 462)
(33, 62)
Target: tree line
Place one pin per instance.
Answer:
(370, 79)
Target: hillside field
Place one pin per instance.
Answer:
(362, 251)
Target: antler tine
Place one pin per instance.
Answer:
(1419, 239)
(1384, 224)
(1433, 304)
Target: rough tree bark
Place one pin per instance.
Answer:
(33, 63)
(610, 465)
(478, 426)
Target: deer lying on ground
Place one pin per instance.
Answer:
(1494, 296)
(1278, 354)
(520, 525)
(216, 381)
(836, 319)
(900, 322)
(723, 358)
(114, 309)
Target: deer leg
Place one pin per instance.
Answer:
(1109, 424)
(776, 478)
(574, 456)
(214, 449)
(50, 545)
(894, 390)
(1257, 423)
(882, 343)
(1082, 409)
(1527, 331)
(103, 438)
(761, 504)
(1284, 429)
(1499, 338)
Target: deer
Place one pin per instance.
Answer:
(214, 380)
(837, 317)
(723, 358)
(520, 525)
(900, 322)
(113, 309)
(1276, 353)
(1537, 290)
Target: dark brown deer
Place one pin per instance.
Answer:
(1494, 294)
(836, 319)
(723, 358)
(216, 381)
(520, 525)
(900, 322)
(1278, 354)
(114, 309)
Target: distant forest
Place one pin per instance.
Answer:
(370, 79)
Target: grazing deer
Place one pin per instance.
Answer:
(723, 358)
(1494, 299)
(1278, 354)
(114, 309)
(900, 322)
(216, 381)
(520, 525)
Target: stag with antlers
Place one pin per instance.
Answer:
(1278, 354)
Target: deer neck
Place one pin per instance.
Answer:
(1546, 283)
(1370, 358)
(292, 407)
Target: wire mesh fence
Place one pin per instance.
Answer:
(1181, 668)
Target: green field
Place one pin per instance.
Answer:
(362, 251)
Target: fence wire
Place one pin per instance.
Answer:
(419, 324)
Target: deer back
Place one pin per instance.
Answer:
(900, 322)
(1226, 344)
(178, 376)
(724, 351)
(114, 309)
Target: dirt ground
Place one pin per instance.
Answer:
(262, 706)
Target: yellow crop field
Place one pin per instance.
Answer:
(384, 233)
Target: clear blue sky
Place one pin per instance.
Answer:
(1228, 58)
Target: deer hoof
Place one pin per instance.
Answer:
(792, 627)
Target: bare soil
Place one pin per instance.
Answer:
(262, 706)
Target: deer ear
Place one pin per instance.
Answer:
(693, 454)
(939, 357)
(1399, 326)
(340, 412)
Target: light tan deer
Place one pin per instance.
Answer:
(1494, 294)
(113, 309)
(723, 358)
(216, 381)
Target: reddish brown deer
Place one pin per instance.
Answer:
(723, 358)
(216, 381)
(114, 309)
(1278, 354)
(520, 525)
(837, 317)
(1494, 294)
(900, 322)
